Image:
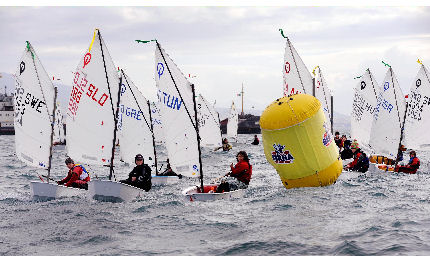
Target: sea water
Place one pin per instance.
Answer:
(361, 214)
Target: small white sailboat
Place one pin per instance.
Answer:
(59, 136)
(363, 107)
(35, 106)
(297, 79)
(418, 112)
(388, 118)
(209, 127)
(179, 115)
(324, 95)
(232, 123)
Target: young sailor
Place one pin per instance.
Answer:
(169, 171)
(76, 177)
(239, 176)
(361, 161)
(346, 152)
(412, 166)
(140, 176)
(225, 145)
(256, 141)
(338, 140)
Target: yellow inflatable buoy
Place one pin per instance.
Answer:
(298, 143)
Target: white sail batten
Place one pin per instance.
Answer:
(134, 126)
(34, 110)
(232, 122)
(323, 94)
(388, 117)
(418, 113)
(209, 128)
(177, 115)
(157, 123)
(297, 78)
(92, 106)
(363, 108)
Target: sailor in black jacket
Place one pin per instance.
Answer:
(140, 176)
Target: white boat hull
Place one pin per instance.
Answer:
(113, 191)
(192, 194)
(163, 180)
(52, 190)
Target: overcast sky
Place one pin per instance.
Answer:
(225, 46)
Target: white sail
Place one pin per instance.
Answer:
(417, 120)
(59, 135)
(363, 108)
(232, 124)
(92, 106)
(388, 117)
(297, 78)
(134, 124)
(209, 128)
(157, 123)
(177, 113)
(34, 110)
(323, 94)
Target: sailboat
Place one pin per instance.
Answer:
(232, 123)
(35, 106)
(59, 136)
(418, 112)
(209, 128)
(297, 79)
(388, 118)
(92, 119)
(324, 95)
(363, 107)
(179, 115)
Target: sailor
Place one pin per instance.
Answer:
(338, 140)
(76, 177)
(140, 176)
(346, 152)
(361, 161)
(412, 166)
(169, 171)
(239, 176)
(225, 145)
(256, 141)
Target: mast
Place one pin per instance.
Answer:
(241, 94)
(402, 125)
(153, 137)
(313, 86)
(331, 113)
(52, 134)
(115, 130)
(198, 139)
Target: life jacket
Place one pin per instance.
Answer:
(414, 163)
(85, 175)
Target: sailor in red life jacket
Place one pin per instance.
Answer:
(76, 177)
(239, 176)
(412, 166)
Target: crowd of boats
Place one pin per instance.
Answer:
(105, 107)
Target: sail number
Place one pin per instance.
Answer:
(169, 100)
(287, 92)
(416, 105)
(360, 105)
(80, 84)
(384, 104)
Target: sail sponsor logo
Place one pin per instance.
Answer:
(87, 59)
(160, 70)
(386, 86)
(360, 106)
(25, 100)
(362, 85)
(327, 136)
(195, 170)
(21, 67)
(169, 100)
(80, 84)
(287, 67)
(281, 156)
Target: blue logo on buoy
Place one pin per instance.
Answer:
(280, 156)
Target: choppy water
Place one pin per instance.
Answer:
(362, 214)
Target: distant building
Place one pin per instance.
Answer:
(6, 115)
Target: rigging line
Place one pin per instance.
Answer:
(171, 76)
(373, 86)
(40, 84)
(126, 80)
(153, 138)
(106, 74)
(395, 99)
(425, 72)
(294, 59)
(209, 110)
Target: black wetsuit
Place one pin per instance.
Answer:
(143, 177)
